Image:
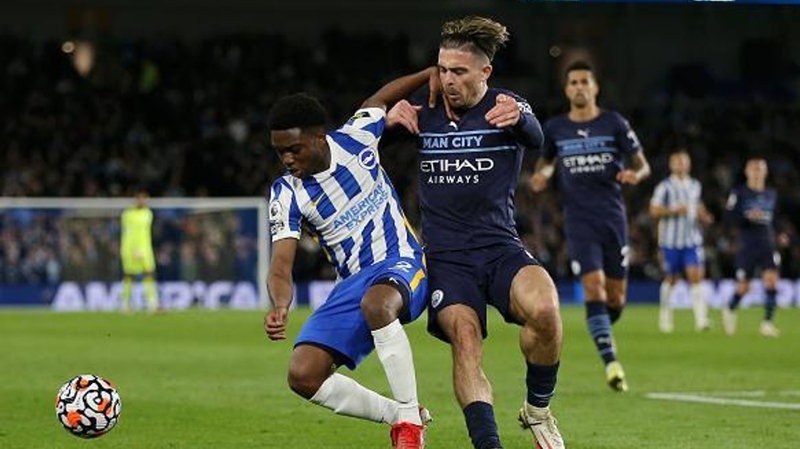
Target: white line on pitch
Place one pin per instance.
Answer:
(722, 401)
(749, 394)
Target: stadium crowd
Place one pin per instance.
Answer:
(188, 120)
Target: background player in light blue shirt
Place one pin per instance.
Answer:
(336, 189)
(677, 205)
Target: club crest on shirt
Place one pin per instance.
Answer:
(436, 298)
(367, 158)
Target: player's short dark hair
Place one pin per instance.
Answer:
(298, 110)
(477, 34)
(680, 150)
(580, 64)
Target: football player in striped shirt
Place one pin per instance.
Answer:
(336, 190)
(679, 209)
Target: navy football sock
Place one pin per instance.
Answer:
(614, 314)
(599, 324)
(770, 304)
(482, 426)
(541, 381)
(734, 303)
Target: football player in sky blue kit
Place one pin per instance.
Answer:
(470, 156)
(752, 207)
(337, 191)
(591, 146)
(679, 209)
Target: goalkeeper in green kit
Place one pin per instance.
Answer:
(136, 251)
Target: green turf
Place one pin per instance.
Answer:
(202, 379)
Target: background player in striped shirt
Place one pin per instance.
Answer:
(752, 208)
(678, 207)
(470, 155)
(336, 189)
(136, 251)
(597, 153)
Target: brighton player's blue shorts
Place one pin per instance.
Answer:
(340, 326)
(676, 260)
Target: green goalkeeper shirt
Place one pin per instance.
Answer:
(136, 231)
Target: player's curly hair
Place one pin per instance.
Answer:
(298, 110)
(474, 33)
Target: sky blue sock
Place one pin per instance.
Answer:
(599, 324)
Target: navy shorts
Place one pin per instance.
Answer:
(750, 261)
(474, 277)
(601, 245)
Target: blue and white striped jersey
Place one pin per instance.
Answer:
(681, 231)
(351, 208)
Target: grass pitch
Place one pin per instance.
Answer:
(201, 379)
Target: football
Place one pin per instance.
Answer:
(88, 406)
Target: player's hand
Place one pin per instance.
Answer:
(405, 114)
(706, 218)
(504, 113)
(681, 210)
(628, 177)
(538, 182)
(275, 323)
(138, 254)
(435, 90)
(755, 214)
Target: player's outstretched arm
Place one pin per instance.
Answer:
(279, 285)
(402, 87)
(404, 114)
(542, 172)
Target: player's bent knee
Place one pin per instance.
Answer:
(616, 301)
(305, 383)
(594, 287)
(379, 309)
(309, 368)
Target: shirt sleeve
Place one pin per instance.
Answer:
(284, 214)
(366, 126)
(659, 196)
(528, 130)
(626, 137)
